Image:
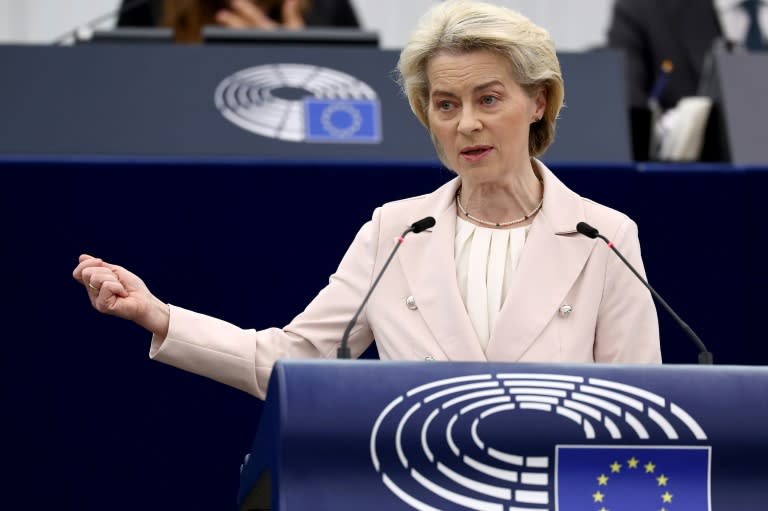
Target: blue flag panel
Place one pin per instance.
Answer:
(340, 121)
(629, 478)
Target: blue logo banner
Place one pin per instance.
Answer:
(658, 478)
(342, 121)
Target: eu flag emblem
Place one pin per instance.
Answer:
(342, 121)
(629, 478)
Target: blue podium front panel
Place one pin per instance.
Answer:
(507, 437)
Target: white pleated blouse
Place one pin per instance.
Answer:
(486, 260)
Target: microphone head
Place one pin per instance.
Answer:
(423, 224)
(587, 230)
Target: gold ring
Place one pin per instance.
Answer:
(93, 287)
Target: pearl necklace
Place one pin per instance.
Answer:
(496, 224)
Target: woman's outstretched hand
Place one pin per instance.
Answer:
(114, 290)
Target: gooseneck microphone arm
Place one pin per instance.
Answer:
(343, 351)
(705, 356)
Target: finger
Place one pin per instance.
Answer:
(292, 17)
(108, 298)
(86, 263)
(97, 279)
(252, 15)
(112, 288)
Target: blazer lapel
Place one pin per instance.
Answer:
(552, 260)
(429, 267)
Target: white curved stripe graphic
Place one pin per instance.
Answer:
(479, 505)
(536, 406)
(663, 423)
(536, 383)
(399, 434)
(532, 497)
(565, 412)
(634, 403)
(635, 424)
(537, 462)
(688, 421)
(534, 478)
(512, 459)
(460, 388)
(585, 409)
(498, 473)
(589, 431)
(540, 376)
(537, 399)
(449, 435)
(630, 389)
(475, 436)
(470, 396)
(405, 497)
(447, 381)
(542, 392)
(377, 425)
(424, 428)
(596, 401)
(485, 402)
(497, 409)
(485, 489)
(613, 430)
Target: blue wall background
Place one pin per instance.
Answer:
(91, 423)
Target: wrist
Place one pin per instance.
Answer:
(158, 318)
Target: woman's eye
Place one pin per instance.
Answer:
(489, 100)
(444, 105)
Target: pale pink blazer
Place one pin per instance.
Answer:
(612, 318)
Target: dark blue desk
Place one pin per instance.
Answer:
(90, 423)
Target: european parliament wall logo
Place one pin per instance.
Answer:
(301, 103)
(590, 445)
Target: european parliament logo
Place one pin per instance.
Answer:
(301, 103)
(534, 441)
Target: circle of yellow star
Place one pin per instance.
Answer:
(666, 497)
(602, 480)
(632, 462)
(599, 496)
(649, 468)
(616, 467)
(662, 479)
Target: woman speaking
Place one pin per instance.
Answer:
(502, 276)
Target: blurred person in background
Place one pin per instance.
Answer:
(188, 17)
(681, 33)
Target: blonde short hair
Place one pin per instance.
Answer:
(464, 26)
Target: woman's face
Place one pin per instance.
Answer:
(479, 116)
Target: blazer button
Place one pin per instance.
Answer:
(410, 302)
(565, 310)
(428, 358)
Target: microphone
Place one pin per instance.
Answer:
(425, 223)
(705, 357)
(84, 31)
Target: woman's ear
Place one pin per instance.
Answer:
(541, 102)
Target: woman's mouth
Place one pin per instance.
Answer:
(475, 153)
